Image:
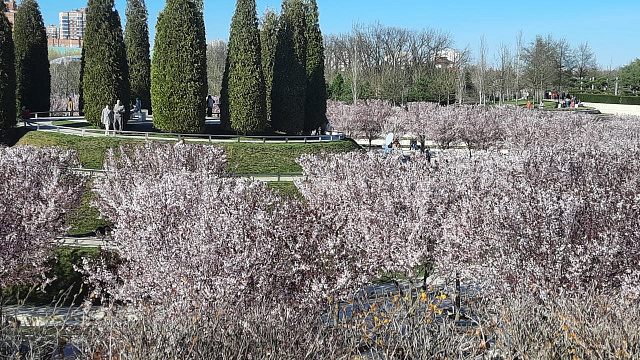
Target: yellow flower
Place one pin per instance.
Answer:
(396, 298)
(441, 297)
(423, 297)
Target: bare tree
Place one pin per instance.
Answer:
(384, 62)
(216, 57)
(585, 61)
(539, 66)
(481, 70)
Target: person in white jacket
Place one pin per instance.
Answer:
(107, 119)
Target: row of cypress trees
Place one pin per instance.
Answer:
(119, 67)
(24, 64)
(274, 74)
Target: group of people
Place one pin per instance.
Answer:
(113, 117)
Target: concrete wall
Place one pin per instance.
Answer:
(616, 109)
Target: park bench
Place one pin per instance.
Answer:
(139, 115)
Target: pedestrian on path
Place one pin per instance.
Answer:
(26, 114)
(70, 107)
(119, 111)
(210, 103)
(107, 119)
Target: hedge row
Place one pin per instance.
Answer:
(609, 99)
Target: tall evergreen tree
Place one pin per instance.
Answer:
(33, 80)
(269, 42)
(7, 75)
(316, 101)
(80, 90)
(289, 71)
(136, 39)
(106, 75)
(245, 84)
(179, 68)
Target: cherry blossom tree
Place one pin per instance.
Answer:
(37, 189)
(183, 229)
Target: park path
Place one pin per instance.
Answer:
(144, 131)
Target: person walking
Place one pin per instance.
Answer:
(70, 107)
(106, 118)
(210, 103)
(118, 110)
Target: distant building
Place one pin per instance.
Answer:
(70, 33)
(12, 9)
(53, 32)
(72, 24)
(447, 58)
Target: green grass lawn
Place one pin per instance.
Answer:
(85, 218)
(243, 157)
(286, 189)
(90, 150)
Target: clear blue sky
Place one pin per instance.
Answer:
(610, 27)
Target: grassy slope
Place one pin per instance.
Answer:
(243, 157)
(90, 150)
(277, 158)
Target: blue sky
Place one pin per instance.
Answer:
(610, 27)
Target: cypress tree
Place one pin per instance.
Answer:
(80, 91)
(245, 93)
(105, 76)
(289, 71)
(223, 105)
(33, 80)
(269, 41)
(136, 39)
(7, 75)
(179, 68)
(316, 94)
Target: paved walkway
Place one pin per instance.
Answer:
(145, 132)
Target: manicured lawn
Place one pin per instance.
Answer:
(286, 189)
(85, 219)
(243, 158)
(277, 158)
(90, 150)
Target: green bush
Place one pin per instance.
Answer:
(630, 100)
(609, 99)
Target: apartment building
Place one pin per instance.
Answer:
(12, 9)
(72, 24)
